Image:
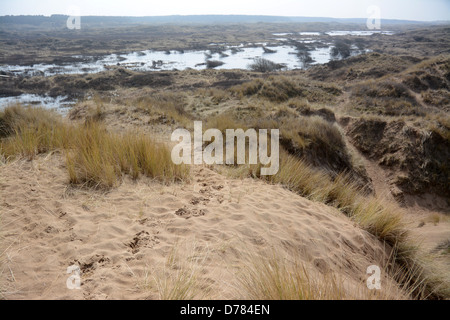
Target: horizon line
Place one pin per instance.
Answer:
(216, 14)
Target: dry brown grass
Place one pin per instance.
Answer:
(383, 97)
(275, 278)
(167, 106)
(94, 156)
(282, 88)
(270, 276)
(180, 277)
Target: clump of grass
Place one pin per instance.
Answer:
(14, 117)
(384, 97)
(217, 95)
(27, 132)
(438, 98)
(94, 156)
(273, 278)
(99, 158)
(171, 106)
(224, 121)
(282, 88)
(440, 124)
(181, 276)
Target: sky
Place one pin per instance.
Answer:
(421, 10)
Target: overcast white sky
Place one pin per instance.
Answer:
(423, 10)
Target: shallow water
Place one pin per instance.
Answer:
(357, 33)
(233, 58)
(59, 103)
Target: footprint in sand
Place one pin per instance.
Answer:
(142, 239)
(199, 200)
(91, 264)
(188, 213)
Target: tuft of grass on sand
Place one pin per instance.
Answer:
(98, 158)
(94, 156)
(281, 88)
(274, 278)
(168, 106)
(270, 276)
(180, 277)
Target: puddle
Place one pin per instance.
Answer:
(357, 33)
(282, 34)
(309, 33)
(60, 103)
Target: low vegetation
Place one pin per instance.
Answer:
(94, 156)
(270, 276)
(384, 97)
(341, 49)
(306, 133)
(282, 88)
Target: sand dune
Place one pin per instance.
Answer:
(124, 238)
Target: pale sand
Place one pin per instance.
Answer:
(125, 238)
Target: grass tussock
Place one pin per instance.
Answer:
(99, 158)
(94, 156)
(26, 132)
(181, 276)
(217, 96)
(440, 124)
(282, 88)
(313, 138)
(168, 108)
(273, 277)
(384, 97)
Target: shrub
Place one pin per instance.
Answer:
(341, 49)
(211, 64)
(264, 65)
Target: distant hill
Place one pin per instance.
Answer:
(98, 21)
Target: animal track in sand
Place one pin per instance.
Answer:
(89, 265)
(142, 239)
(199, 200)
(188, 213)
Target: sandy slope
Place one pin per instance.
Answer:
(421, 210)
(125, 239)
